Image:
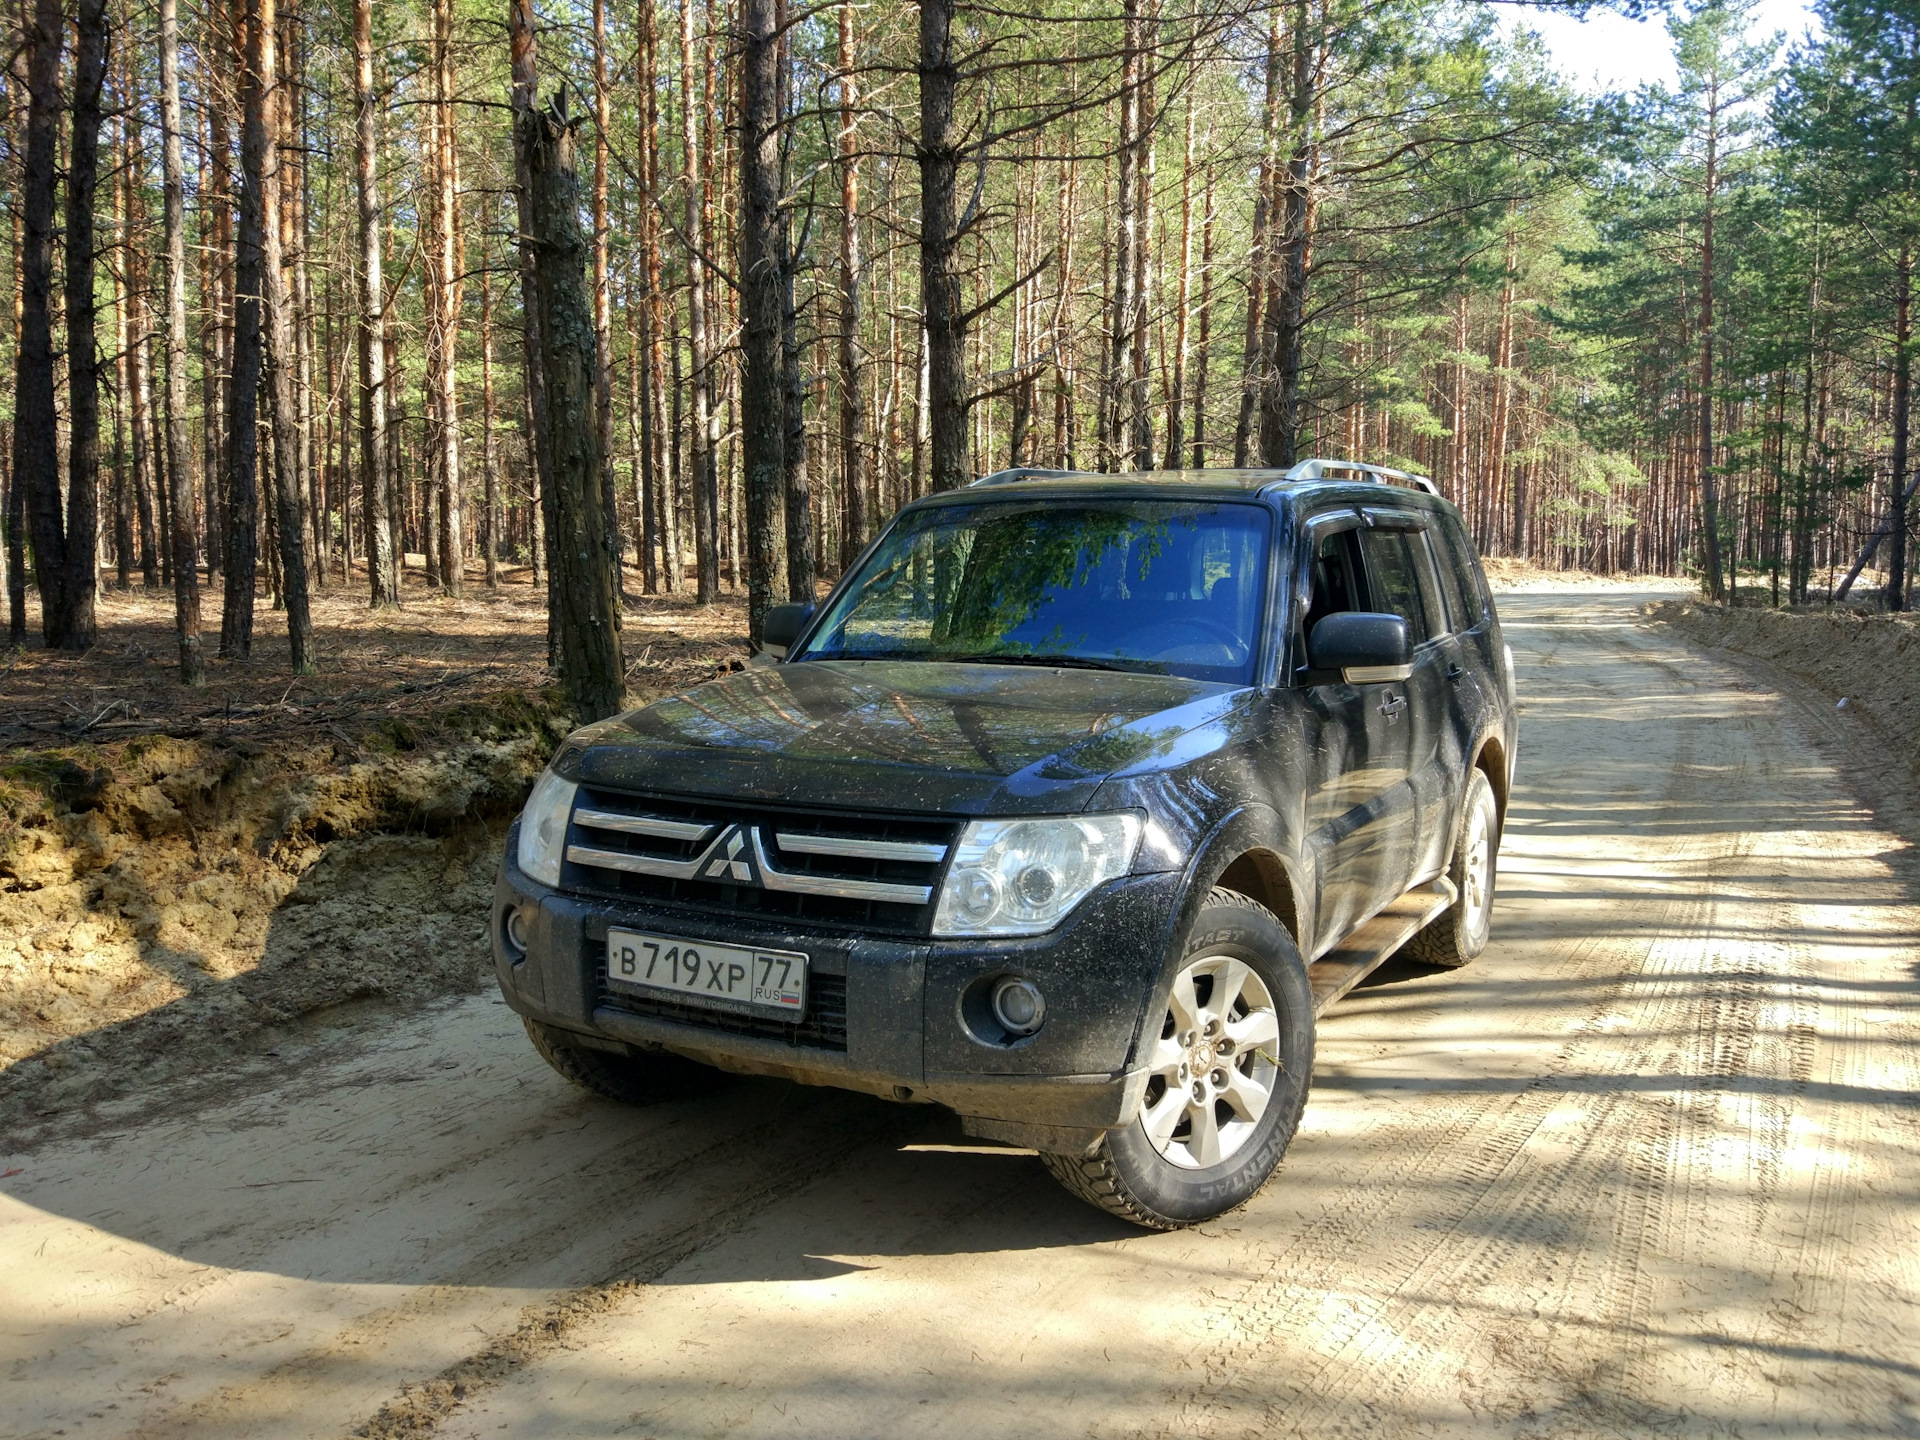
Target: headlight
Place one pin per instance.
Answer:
(1020, 877)
(543, 828)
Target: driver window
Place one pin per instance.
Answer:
(1334, 578)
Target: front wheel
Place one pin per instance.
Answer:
(1228, 1075)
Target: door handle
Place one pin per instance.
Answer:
(1391, 705)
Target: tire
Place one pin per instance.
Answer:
(1178, 1163)
(1460, 933)
(643, 1079)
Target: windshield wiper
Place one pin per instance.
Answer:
(1053, 662)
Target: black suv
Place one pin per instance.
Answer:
(1070, 808)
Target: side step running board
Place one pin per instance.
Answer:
(1363, 952)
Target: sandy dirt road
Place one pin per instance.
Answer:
(1649, 1166)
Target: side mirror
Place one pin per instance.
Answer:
(782, 626)
(1365, 647)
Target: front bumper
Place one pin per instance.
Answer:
(910, 1029)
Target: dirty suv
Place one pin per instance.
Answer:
(1070, 809)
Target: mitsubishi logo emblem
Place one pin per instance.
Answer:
(729, 859)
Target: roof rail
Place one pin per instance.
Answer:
(1315, 469)
(1030, 472)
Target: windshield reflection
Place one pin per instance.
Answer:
(1162, 587)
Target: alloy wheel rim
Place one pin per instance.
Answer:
(1215, 1064)
(1479, 866)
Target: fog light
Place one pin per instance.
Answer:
(1018, 1005)
(517, 927)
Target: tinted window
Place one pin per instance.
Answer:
(1460, 569)
(1456, 582)
(1334, 578)
(1161, 586)
(1396, 583)
(1420, 547)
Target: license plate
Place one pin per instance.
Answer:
(699, 971)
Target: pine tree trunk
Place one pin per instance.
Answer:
(794, 534)
(854, 481)
(1902, 408)
(536, 497)
(1255, 360)
(520, 41)
(656, 515)
(139, 411)
(157, 443)
(122, 479)
(82, 577)
(944, 382)
(677, 465)
(1065, 405)
(1127, 237)
(1177, 385)
(1204, 343)
(1140, 366)
(446, 270)
(762, 305)
(1457, 416)
(376, 477)
(294, 232)
(186, 580)
(644, 421)
(1280, 420)
(217, 54)
(15, 513)
(704, 479)
(260, 159)
(1502, 376)
(489, 457)
(580, 591)
(1709, 488)
(602, 282)
(243, 436)
(36, 463)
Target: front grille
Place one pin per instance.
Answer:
(823, 1027)
(841, 872)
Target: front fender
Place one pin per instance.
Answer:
(1251, 827)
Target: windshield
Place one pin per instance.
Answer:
(1165, 587)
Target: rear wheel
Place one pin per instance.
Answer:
(1228, 1077)
(1461, 933)
(640, 1079)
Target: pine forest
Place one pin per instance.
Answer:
(687, 297)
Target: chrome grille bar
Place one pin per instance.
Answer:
(651, 825)
(913, 850)
(635, 864)
(829, 885)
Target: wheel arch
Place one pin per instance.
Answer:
(1491, 760)
(1262, 875)
(1253, 834)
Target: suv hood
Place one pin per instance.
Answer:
(893, 735)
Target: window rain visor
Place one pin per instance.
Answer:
(1163, 587)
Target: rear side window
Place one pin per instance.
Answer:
(1459, 575)
(1392, 567)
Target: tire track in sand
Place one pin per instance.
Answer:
(1727, 1024)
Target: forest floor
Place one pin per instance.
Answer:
(274, 1160)
(184, 874)
(402, 672)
